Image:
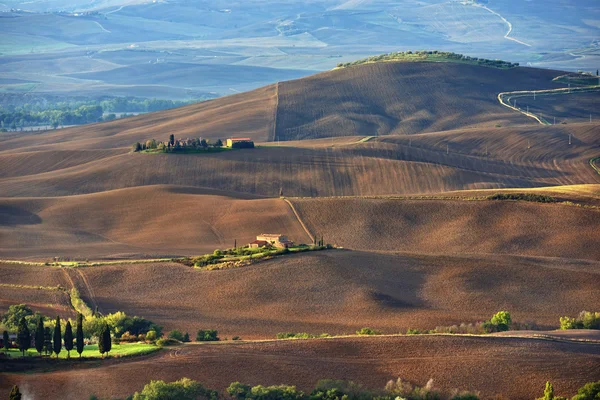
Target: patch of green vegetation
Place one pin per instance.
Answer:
(432, 56)
(91, 351)
(539, 198)
(301, 335)
(79, 305)
(190, 150)
(585, 320)
(236, 257)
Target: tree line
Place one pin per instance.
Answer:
(14, 117)
(47, 342)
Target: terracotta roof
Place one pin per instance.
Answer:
(259, 242)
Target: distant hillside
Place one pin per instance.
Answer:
(367, 100)
(402, 98)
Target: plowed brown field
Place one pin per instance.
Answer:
(341, 291)
(520, 157)
(455, 226)
(153, 220)
(512, 367)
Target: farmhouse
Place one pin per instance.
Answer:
(240, 143)
(268, 239)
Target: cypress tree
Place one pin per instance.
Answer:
(68, 339)
(171, 139)
(107, 340)
(39, 336)
(47, 341)
(15, 394)
(23, 336)
(79, 334)
(57, 337)
(6, 340)
(101, 342)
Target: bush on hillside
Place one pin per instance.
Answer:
(367, 331)
(207, 335)
(539, 198)
(585, 320)
(175, 334)
(183, 389)
(300, 335)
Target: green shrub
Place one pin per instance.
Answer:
(367, 331)
(585, 320)
(167, 342)
(590, 391)
(207, 335)
(241, 391)
(183, 389)
(502, 321)
(175, 334)
(236, 338)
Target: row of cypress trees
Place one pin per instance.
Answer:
(43, 337)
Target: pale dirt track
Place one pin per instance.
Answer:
(514, 368)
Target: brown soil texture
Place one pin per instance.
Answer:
(567, 108)
(454, 226)
(477, 159)
(152, 220)
(401, 98)
(512, 367)
(341, 291)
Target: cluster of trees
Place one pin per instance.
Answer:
(585, 320)
(430, 54)
(47, 342)
(176, 145)
(49, 334)
(55, 114)
(500, 322)
(589, 391)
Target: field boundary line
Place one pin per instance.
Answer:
(312, 238)
(544, 92)
(276, 111)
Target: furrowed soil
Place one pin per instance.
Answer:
(514, 368)
(447, 226)
(341, 291)
(146, 221)
(426, 163)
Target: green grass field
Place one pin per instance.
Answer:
(91, 351)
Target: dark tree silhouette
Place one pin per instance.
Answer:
(39, 336)
(68, 339)
(171, 139)
(79, 334)
(15, 394)
(23, 336)
(6, 340)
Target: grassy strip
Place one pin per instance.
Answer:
(15, 286)
(431, 56)
(539, 198)
(91, 351)
(78, 304)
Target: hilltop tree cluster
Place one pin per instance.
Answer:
(432, 55)
(175, 145)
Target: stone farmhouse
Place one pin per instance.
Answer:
(271, 240)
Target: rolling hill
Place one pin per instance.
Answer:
(336, 291)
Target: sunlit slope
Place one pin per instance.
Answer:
(156, 220)
(532, 156)
(457, 226)
(402, 98)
